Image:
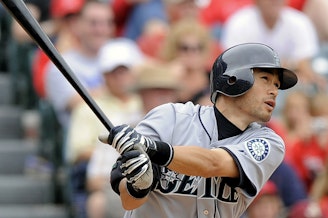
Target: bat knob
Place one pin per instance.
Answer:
(103, 138)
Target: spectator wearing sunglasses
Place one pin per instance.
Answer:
(190, 48)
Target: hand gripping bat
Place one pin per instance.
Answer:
(22, 15)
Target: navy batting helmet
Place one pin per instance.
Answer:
(232, 73)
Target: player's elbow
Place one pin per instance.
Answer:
(213, 169)
(225, 166)
(209, 172)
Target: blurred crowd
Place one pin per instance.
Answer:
(133, 55)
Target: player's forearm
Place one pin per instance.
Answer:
(129, 202)
(197, 161)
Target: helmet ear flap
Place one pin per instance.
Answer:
(233, 83)
(237, 82)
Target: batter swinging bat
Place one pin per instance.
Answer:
(22, 15)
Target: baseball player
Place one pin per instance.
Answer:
(186, 160)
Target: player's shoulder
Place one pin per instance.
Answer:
(188, 108)
(257, 127)
(260, 130)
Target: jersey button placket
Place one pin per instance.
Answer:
(205, 212)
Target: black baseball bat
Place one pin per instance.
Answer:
(22, 15)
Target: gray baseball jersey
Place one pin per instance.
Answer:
(258, 151)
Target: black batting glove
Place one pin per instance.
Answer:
(136, 167)
(116, 175)
(124, 138)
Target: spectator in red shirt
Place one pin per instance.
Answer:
(308, 158)
(217, 11)
(62, 13)
(319, 191)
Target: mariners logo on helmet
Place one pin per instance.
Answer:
(258, 149)
(276, 57)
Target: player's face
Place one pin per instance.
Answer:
(258, 103)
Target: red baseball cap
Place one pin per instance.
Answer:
(61, 8)
(269, 188)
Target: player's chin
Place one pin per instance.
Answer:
(265, 117)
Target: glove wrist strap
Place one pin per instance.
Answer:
(137, 193)
(161, 153)
(116, 177)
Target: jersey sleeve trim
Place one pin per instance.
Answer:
(243, 181)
